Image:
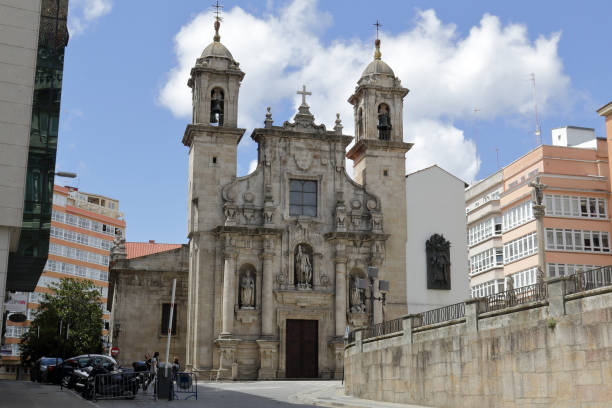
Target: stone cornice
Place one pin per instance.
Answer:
(360, 88)
(352, 235)
(193, 128)
(221, 229)
(364, 144)
(299, 133)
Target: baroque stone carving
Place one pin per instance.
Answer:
(303, 266)
(303, 159)
(356, 298)
(438, 262)
(247, 292)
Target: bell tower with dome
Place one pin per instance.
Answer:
(212, 139)
(379, 164)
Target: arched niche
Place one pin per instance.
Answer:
(247, 287)
(384, 122)
(303, 266)
(217, 106)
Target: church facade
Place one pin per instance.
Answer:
(278, 258)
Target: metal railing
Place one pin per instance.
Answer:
(387, 327)
(587, 280)
(514, 297)
(114, 385)
(442, 314)
(185, 386)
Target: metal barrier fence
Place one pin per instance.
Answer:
(442, 314)
(387, 327)
(587, 280)
(185, 386)
(117, 385)
(514, 297)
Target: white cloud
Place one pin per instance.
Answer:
(82, 13)
(252, 166)
(448, 74)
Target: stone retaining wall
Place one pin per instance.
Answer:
(535, 355)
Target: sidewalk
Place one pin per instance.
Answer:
(333, 396)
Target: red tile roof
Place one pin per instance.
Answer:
(137, 249)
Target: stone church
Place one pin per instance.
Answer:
(277, 259)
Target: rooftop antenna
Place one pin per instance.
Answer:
(497, 155)
(538, 133)
(218, 19)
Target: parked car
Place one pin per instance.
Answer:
(64, 373)
(43, 368)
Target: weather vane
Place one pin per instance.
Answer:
(218, 20)
(217, 8)
(378, 25)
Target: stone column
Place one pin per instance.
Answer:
(538, 213)
(267, 297)
(229, 272)
(340, 295)
(407, 327)
(556, 295)
(471, 315)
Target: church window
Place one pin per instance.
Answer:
(385, 173)
(165, 319)
(303, 198)
(217, 105)
(214, 160)
(384, 122)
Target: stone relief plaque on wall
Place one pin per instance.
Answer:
(437, 249)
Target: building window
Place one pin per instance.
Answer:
(165, 319)
(303, 198)
(487, 288)
(520, 248)
(573, 206)
(484, 229)
(555, 269)
(517, 215)
(577, 240)
(486, 260)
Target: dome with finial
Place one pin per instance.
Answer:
(377, 66)
(215, 48)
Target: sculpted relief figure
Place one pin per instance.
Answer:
(247, 292)
(356, 297)
(438, 262)
(303, 266)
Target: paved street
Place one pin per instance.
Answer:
(23, 394)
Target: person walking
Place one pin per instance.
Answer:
(176, 366)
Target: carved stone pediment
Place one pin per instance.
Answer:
(308, 298)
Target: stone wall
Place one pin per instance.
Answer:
(534, 355)
(138, 288)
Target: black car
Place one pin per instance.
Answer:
(63, 373)
(44, 368)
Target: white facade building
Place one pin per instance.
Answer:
(435, 205)
(19, 27)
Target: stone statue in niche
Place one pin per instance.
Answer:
(356, 298)
(303, 266)
(438, 262)
(247, 291)
(384, 122)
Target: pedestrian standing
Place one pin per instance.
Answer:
(176, 366)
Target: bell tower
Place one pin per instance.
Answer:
(379, 164)
(212, 139)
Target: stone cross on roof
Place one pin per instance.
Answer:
(303, 92)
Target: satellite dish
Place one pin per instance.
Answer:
(17, 317)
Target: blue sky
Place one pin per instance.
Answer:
(125, 103)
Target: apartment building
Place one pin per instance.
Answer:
(83, 228)
(502, 233)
